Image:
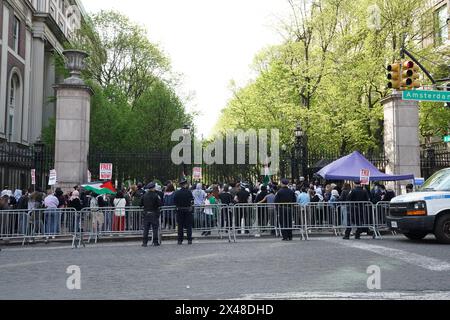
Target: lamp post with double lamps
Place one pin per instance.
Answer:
(301, 148)
(186, 133)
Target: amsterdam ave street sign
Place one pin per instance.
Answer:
(425, 95)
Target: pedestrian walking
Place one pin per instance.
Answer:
(151, 202)
(285, 198)
(358, 194)
(184, 200)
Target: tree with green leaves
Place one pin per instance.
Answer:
(134, 106)
(329, 74)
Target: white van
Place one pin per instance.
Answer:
(425, 212)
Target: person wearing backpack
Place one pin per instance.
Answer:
(137, 193)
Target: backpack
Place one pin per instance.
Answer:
(136, 201)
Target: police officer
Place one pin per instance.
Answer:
(184, 199)
(151, 203)
(285, 196)
(358, 194)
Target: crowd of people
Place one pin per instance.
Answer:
(154, 196)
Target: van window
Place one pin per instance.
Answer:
(440, 181)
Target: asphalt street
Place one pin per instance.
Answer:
(322, 268)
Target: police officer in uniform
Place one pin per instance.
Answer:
(151, 203)
(184, 199)
(356, 214)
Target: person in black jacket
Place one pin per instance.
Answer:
(184, 200)
(151, 203)
(226, 199)
(263, 216)
(358, 194)
(285, 196)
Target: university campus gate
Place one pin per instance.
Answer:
(17, 161)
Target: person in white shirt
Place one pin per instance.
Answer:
(52, 215)
(120, 212)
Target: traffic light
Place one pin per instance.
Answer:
(394, 76)
(410, 75)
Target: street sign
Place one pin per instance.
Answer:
(33, 177)
(365, 177)
(426, 95)
(447, 139)
(106, 171)
(52, 179)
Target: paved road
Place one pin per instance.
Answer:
(321, 268)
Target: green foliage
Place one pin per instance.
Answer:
(121, 55)
(330, 74)
(132, 108)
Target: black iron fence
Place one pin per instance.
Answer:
(16, 163)
(434, 157)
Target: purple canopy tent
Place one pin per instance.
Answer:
(349, 169)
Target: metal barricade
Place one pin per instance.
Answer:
(340, 216)
(381, 212)
(290, 217)
(255, 219)
(37, 224)
(245, 220)
(322, 216)
(13, 225)
(357, 215)
(213, 218)
(94, 223)
(168, 220)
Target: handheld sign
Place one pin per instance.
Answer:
(365, 177)
(106, 171)
(197, 173)
(52, 179)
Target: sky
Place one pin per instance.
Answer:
(210, 42)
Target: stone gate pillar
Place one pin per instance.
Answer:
(401, 137)
(73, 107)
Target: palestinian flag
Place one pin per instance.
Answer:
(100, 187)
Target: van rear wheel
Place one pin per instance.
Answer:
(442, 231)
(416, 235)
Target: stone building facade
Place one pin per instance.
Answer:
(32, 31)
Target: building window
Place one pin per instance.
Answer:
(16, 34)
(52, 12)
(14, 100)
(441, 26)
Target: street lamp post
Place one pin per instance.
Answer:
(283, 161)
(299, 135)
(38, 162)
(186, 132)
